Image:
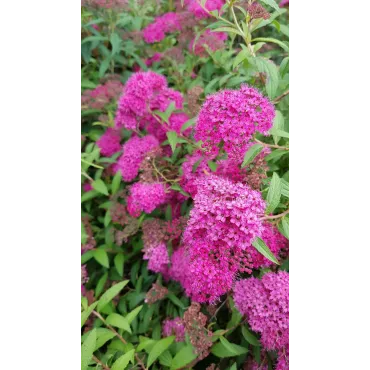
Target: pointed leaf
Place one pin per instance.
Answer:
(122, 362)
(110, 294)
(260, 245)
(158, 349)
(99, 186)
(252, 153)
(87, 349)
(274, 193)
(101, 256)
(185, 356)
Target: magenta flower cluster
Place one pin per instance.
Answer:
(232, 117)
(145, 197)
(143, 93)
(166, 23)
(134, 151)
(109, 142)
(265, 303)
(174, 327)
(194, 7)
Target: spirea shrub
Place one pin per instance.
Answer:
(185, 185)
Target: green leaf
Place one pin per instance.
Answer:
(274, 193)
(119, 260)
(285, 188)
(278, 125)
(228, 29)
(85, 314)
(187, 124)
(116, 41)
(221, 351)
(110, 294)
(101, 256)
(272, 3)
(131, 315)
(145, 343)
(183, 357)
(283, 227)
(228, 346)
(172, 139)
(275, 154)
(100, 285)
(272, 80)
(178, 188)
(103, 335)
(240, 58)
(175, 300)
(116, 182)
(270, 39)
(123, 361)
(249, 337)
(166, 115)
(87, 349)
(159, 348)
(99, 186)
(94, 38)
(118, 321)
(260, 245)
(252, 153)
(89, 195)
(104, 66)
(165, 358)
(212, 165)
(280, 133)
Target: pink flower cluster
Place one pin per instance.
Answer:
(158, 259)
(232, 117)
(213, 40)
(145, 197)
(109, 142)
(265, 303)
(163, 24)
(102, 95)
(155, 58)
(225, 211)
(194, 7)
(134, 151)
(222, 225)
(174, 327)
(284, 3)
(192, 169)
(143, 93)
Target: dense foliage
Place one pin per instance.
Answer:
(185, 184)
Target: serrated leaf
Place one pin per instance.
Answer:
(110, 294)
(280, 133)
(158, 349)
(219, 350)
(285, 188)
(165, 358)
(119, 260)
(272, 81)
(228, 29)
(99, 186)
(103, 336)
(183, 357)
(116, 41)
(118, 321)
(172, 139)
(260, 245)
(122, 362)
(187, 124)
(87, 349)
(212, 165)
(104, 66)
(240, 58)
(131, 315)
(275, 41)
(100, 285)
(283, 227)
(101, 256)
(272, 3)
(251, 154)
(85, 314)
(228, 345)
(116, 182)
(274, 193)
(249, 337)
(278, 125)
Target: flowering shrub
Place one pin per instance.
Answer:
(185, 184)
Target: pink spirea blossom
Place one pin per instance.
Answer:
(134, 151)
(87, 187)
(232, 117)
(145, 92)
(155, 58)
(145, 197)
(158, 259)
(225, 211)
(199, 12)
(214, 41)
(174, 327)
(284, 3)
(109, 142)
(265, 303)
(166, 23)
(179, 270)
(192, 169)
(102, 95)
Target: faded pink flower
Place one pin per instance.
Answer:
(174, 327)
(109, 142)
